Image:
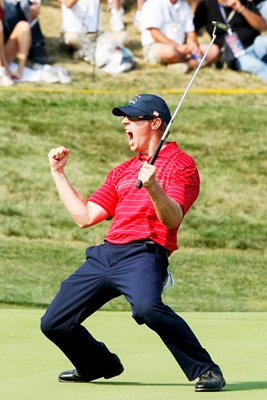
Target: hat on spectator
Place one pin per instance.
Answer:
(144, 105)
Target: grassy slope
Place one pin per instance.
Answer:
(222, 261)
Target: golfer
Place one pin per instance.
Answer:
(133, 259)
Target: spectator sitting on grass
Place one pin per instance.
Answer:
(168, 35)
(246, 22)
(81, 20)
(261, 6)
(17, 44)
(27, 10)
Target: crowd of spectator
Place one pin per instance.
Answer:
(169, 33)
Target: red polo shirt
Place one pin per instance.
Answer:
(132, 209)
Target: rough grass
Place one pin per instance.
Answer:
(221, 264)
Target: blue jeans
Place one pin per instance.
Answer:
(254, 60)
(136, 271)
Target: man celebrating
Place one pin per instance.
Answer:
(133, 259)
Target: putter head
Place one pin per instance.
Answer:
(222, 26)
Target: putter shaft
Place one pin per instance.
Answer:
(166, 132)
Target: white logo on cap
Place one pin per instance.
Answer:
(155, 113)
(135, 99)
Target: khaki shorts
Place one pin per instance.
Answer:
(151, 53)
(72, 40)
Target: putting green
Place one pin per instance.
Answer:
(30, 363)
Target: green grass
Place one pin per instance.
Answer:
(205, 280)
(30, 363)
(221, 264)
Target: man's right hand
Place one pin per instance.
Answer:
(58, 158)
(34, 10)
(183, 48)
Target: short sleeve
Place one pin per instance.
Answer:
(184, 185)
(106, 195)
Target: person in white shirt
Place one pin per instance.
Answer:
(168, 34)
(80, 18)
(81, 34)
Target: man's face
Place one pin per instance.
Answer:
(139, 134)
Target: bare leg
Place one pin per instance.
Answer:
(18, 45)
(169, 55)
(2, 50)
(212, 55)
(139, 4)
(5, 79)
(117, 5)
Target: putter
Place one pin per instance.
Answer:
(219, 25)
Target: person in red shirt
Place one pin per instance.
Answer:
(133, 259)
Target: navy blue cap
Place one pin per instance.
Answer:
(143, 105)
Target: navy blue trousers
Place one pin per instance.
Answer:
(135, 270)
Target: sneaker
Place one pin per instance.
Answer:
(63, 74)
(116, 20)
(5, 79)
(211, 381)
(109, 370)
(49, 74)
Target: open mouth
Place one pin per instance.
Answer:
(130, 136)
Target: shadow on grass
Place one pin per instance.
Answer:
(230, 387)
(238, 386)
(141, 384)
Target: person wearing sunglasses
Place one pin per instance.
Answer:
(133, 259)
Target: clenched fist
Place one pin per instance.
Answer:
(147, 174)
(58, 158)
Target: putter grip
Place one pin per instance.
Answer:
(139, 184)
(152, 161)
